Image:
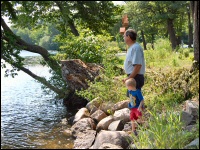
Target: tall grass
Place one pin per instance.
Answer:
(164, 131)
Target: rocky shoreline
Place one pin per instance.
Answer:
(107, 125)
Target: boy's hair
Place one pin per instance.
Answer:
(132, 34)
(131, 82)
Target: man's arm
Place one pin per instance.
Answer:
(135, 71)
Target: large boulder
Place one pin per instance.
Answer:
(193, 145)
(84, 139)
(104, 123)
(82, 113)
(186, 118)
(119, 138)
(81, 125)
(109, 146)
(116, 126)
(192, 107)
(122, 114)
(76, 73)
(121, 105)
(98, 115)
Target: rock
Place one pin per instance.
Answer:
(81, 125)
(76, 73)
(116, 125)
(70, 120)
(64, 121)
(119, 138)
(109, 146)
(193, 144)
(122, 114)
(84, 139)
(98, 115)
(82, 113)
(186, 118)
(67, 132)
(192, 107)
(127, 127)
(106, 106)
(95, 102)
(121, 105)
(104, 123)
(191, 127)
(94, 108)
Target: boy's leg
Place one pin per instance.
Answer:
(133, 125)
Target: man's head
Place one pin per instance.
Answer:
(130, 36)
(130, 84)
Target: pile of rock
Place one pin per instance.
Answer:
(106, 125)
(93, 126)
(189, 116)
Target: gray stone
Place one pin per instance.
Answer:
(121, 105)
(119, 138)
(186, 118)
(94, 108)
(98, 115)
(193, 144)
(104, 123)
(191, 127)
(192, 107)
(122, 114)
(116, 125)
(85, 139)
(81, 125)
(82, 113)
(127, 127)
(109, 146)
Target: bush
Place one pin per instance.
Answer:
(170, 88)
(87, 47)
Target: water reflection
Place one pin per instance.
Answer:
(29, 117)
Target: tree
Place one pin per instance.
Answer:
(66, 15)
(154, 17)
(195, 16)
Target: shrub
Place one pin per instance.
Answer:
(87, 47)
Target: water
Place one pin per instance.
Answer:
(31, 119)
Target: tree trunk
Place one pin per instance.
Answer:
(143, 40)
(190, 35)
(195, 14)
(152, 41)
(172, 35)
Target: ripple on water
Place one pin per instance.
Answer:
(29, 117)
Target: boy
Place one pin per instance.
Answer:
(136, 102)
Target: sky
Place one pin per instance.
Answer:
(115, 2)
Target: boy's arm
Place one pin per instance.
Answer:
(140, 106)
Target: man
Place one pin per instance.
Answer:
(134, 64)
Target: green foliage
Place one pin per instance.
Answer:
(162, 51)
(165, 131)
(171, 88)
(107, 89)
(87, 47)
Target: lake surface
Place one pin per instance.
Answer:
(31, 119)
